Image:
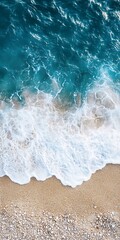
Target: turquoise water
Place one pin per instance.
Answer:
(59, 88)
(69, 41)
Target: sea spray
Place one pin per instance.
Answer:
(42, 139)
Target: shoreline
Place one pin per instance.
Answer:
(99, 196)
(103, 185)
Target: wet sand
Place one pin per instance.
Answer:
(97, 198)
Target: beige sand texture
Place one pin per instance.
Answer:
(93, 208)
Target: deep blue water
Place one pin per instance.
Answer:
(70, 42)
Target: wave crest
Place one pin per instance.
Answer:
(43, 138)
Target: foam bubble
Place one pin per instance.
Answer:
(43, 139)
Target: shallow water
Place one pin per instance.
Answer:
(59, 89)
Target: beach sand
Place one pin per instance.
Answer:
(49, 210)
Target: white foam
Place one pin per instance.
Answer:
(42, 139)
(105, 15)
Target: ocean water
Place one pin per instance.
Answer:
(59, 88)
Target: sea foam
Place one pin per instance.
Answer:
(43, 138)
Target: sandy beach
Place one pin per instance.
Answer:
(49, 210)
